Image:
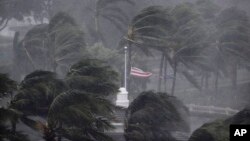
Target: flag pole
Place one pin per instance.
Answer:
(122, 96)
(125, 67)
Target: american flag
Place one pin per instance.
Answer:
(139, 73)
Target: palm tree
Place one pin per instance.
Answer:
(209, 10)
(79, 115)
(88, 109)
(66, 41)
(110, 11)
(189, 41)
(53, 47)
(232, 25)
(76, 110)
(8, 120)
(153, 116)
(93, 76)
(217, 61)
(219, 129)
(18, 9)
(7, 86)
(176, 33)
(9, 117)
(35, 94)
(148, 30)
(111, 56)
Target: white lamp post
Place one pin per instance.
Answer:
(122, 96)
(125, 68)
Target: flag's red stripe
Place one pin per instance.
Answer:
(141, 74)
(144, 76)
(136, 70)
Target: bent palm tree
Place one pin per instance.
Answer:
(75, 112)
(189, 41)
(93, 76)
(86, 112)
(80, 115)
(36, 92)
(34, 96)
(110, 11)
(234, 41)
(7, 85)
(150, 29)
(53, 47)
(154, 116)
(8, 120)
(9, 117)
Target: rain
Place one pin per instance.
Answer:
(123, 70)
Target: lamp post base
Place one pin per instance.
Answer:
(122, 98)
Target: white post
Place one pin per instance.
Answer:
(125, 68)
(122, 96)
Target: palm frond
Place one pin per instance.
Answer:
(114, 22)
(6, 85)
(144, 120)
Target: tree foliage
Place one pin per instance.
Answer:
(52, 47)
(36, 92)
(93, 76)
(111, 56)
(150, 29)
(219, 130)
(75, 109)
(8, 116)
(233, 26)
(110, 11)
(18, 9)
(153, 116)
(234, 38)
(6, 85)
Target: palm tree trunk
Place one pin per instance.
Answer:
(202, 81)
(15, 66)
(97, 28)
(29, 56)
(129, 66)
(13, 127)
(45, 57)
(54, 56)
(165, 74)
(97, 23)
(174, 79)
(60, 134)
(49, 134)
(160, 72)
(206, 80)
(49, 8)
(234, 75)
(216, 82)
(3, 23)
